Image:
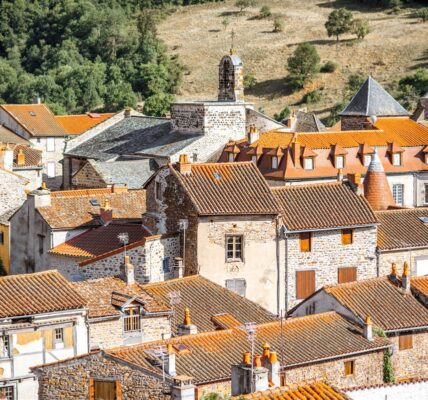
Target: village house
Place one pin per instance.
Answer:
(319, 347)
(286, 158)
(388, 302)
(47, 219)
(198, 129)
(42, 320)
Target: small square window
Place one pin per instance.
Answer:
(4, 347)
(231, 157)
(165, 265)
(234, 248)
(59, 335)
(158, 191)
(396, 159)
(254, 159)
(238, 286)
(347, 236)
(106, 390)
(308, 163)
(50, 144)
(305, 239)
(349, 368)
(398, 193)
(7, 393)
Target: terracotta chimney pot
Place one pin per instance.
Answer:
(187, 320)
(273, 357)
(257, 360)
(246, 358)
(184, 165)
(20, 158)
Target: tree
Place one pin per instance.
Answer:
(303, 65)
(249, 81)
(283, 114)
(338, 22)
(244, 4)
(225, 22)
(361, 28)
(422, 14)
(158, 105)
(355, 81)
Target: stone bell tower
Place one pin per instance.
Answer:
(231, 78)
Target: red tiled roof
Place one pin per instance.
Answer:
(36, 119)
(37, 293)
(323, 205)
(97, 241)
(32, 157)
(227, 189)
(77, 124)
(420, 284)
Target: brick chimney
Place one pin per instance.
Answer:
(6, 158)
(271, 363)
(405, 279)
(178, 267)
(187, 328)
(368, 328)
(247, 378)
(376, 187)
(106, 213)
(20, 158)
(296, 151)
(183, 388)
(129, 272)
(184, 165)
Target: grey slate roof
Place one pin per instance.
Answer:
(135, 134)
(373, 99)
(307, 122)
(133, 173)
(7, 136)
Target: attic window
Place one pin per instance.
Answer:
(396, 159)
(340, 162)
(274, 162)
(308, 163)
(367, 159)
(231, 157)
(94, 202)
(217, 175)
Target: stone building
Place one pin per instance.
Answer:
(389, 303)
(421, 113)
(47, 219)
(321, 347)
(42, 319)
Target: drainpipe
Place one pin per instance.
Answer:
(278, 265)
(377, 252)
(286, 272)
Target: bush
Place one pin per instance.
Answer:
(225, 23)
(361, 28)
(249, 81)
(265, 12)
(329, 67)
(278, 24)
(283, 114)
(303, 65)
(353, 84)
(312, 97)
(334, 114)
(158, 105)
(244, 4)
(422, 14)
(338, 22)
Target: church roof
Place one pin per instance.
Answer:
(373, 99)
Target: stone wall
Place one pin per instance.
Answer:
(71, 378)
(87, 177)
(262, 122)
(221, 388)
(33, 175)
(12, 191)
(399, 257)
(353, 123)
(328, 255)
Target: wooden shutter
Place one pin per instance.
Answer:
(105, 390)
(305, 241)
(305, 284)
(118, 390)
(48, 336)
(405, 342)
(347, 275)
(347, 236)
(349, 368)
(68, 336)
(91, 389)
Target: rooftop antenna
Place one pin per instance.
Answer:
(174, 299)
(251, 329)
(124, 239)
(159, 352)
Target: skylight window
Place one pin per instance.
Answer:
(94, 202)
(32, 113)
(217, 175)
(424, 219)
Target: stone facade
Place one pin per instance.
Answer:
(262, 122)
(327, 256)
(87, 177)
(414, 258)
(12, 191)
(353, 123)
(59, 381)
(231, 78)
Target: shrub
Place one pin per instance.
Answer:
(303, 65)
(422, 14)
(338, 22)
(283, 114)
(361, 28)
(278, 24)
(158, 105)
(265, 12)
(329, 67)
(244, 4)
(353, 84)
(225, 23)
(312, 97)
(249, 81)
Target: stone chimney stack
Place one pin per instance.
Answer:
(106, 213)
(271, 363)
(368, 328)
(405, 279)
(178, 267)
(170, 361)
(393, 274)
(354, 180)
(249, 379)
(253, 134)
(183, 388)
(20, 158)
(6, 158)
(184, 165)
(129, 271)
(187, 328)
(42, 196)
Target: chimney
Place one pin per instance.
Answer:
(340, 175)
(243, 381)
(129, 272)
(184, 165)
(106, 213)
(183, 388)
(6, 158)
(178, 267)
(170, 361)
(295, 151)
(270, 362)
(261, 376)
(20, 158)
(253, 134)
(354, 178)
(405, 279)
(368, 328)
(393, 274)
(42, 196)
(127, 112)
(187, 328)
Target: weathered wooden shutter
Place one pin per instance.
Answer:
(349, 368)
(347, 236)
(405, 342)
(105, 390)
(68, 337)
(48, 336)
(305, 284)
(91, 389)
(305, 241)
(347, 274)
(118, 390)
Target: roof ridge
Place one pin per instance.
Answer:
(29, 276)
(189, 277)
(402, 210)
(306, 185)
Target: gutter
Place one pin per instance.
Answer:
(333, 228)
(415, 328)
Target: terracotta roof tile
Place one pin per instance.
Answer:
(228, 188)
(97, 294)
(306, 340)
(37, 293)
(69, 212)
(420, 284)
(81, 192)
(206, 299)
(36, 119)
(77, 124)
(402, 229)
(324, 205)
(32, 157)
(97, 241)
(225, 321)
(388, 305)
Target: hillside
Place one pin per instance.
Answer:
(396, 46)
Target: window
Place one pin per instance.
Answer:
(1, 238)
(396, 159)
(347, 236)
(254, 159)
(274, 162)
(165, 264)
(234, 248)
(231, 157)
(425, 197)
(51, 169)
(238, 286)
(398, 193)
(50, 144)
(349, 367)
(59, 335)
(41, 244)
(7, 393)
(305, 239)
(132, 321)
(405, 342)
(308, 163)
(104, 390)
(340, 162)
(4, 347)
(305, 284)
(158, 191)
(367, 159)
(346, 275)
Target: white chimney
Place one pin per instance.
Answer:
(187, 328)
(405, 279)
(170, 361)
(42, 196)
(253, 134)
(183, 388)
(129, 272)
(249, 379)
(178, 267)
(271, 363)
(368, 328)
(6, 158)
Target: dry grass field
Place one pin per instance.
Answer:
(397, 45)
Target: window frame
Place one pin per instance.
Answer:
(1, 238)
(347, 233)
(342, 269)
(301, 241)
(254, 159)
(368, 157)
(50, 145)
(349, 366)
(396, 195)
(231, 157)
(5, 351)
(311, 160)
(93, 383)
(166, 261)
(12, 392)
(274, 162)
(134, 318)
(51, 169)
(241, 250)
(158, 191)
(58, 335)
(426, 193)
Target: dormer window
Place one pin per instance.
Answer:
(231, 157)
(367, 159)
(308, 163)
(274, 162)
(396, 159)
(131, 320)
(340, 162)
(254, 159)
